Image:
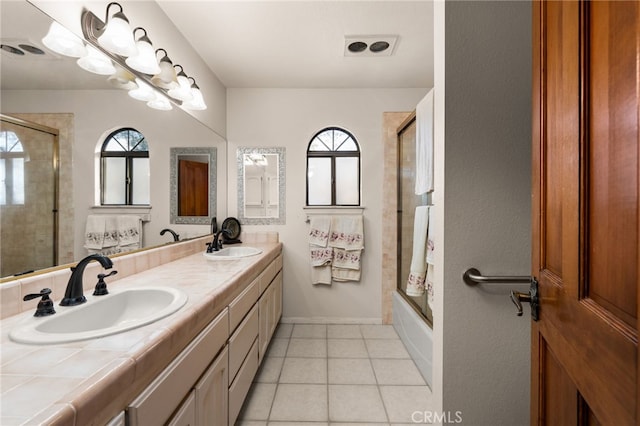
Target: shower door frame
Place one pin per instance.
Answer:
(399, 210)
(55, 166)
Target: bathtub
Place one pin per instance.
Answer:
(416, 335)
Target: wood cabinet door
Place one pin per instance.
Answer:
(212, 393)
(586, 88)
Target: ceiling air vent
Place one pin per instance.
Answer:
(370, 45)
(24, 49)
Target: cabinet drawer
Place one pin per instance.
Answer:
(242, 383)
(241, 341)
(156, 403)
(267, 276)
(241, 304)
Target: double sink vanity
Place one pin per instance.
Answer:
(177, 341)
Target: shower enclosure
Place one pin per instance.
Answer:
(407, 203)
(28, 196)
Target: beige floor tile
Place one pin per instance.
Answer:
(250, 423)
(386, 348)
(277, 347)
(309, 331)
(378, 332)
(296, 403)
(344, 331)
(283, 331)
(405, 404)
(397, 372)
(304, 370)
(258, 402)
(355, 403)
(351, 371)
(307, 348)
(269, 371)
(347, 348)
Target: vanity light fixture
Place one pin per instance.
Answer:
(143, 92)
(197, 102)
(62, 41)
(96, 62)
(167, 77)
(145, 59)
(122, 79)
(160, 102)
(183, 91)
(117, 36)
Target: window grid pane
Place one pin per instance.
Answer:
(114, 185)
(347, 188)
(319, 181)
(140, 175)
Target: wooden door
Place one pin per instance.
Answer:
(585, 212)
(193, 188)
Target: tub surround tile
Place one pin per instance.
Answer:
(88, 382)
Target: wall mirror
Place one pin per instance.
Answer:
(261, 186)
(193, 185)
(53, 91)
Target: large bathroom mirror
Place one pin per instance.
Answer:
(261, 186)
(193, 185)
(53, 91)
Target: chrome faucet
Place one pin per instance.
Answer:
(74, 294)
(215, 244)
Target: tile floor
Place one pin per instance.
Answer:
(335, 375)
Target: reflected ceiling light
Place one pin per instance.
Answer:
(62, 41)
(145, 59)
(96, 62)
(160, 102)
(117, 36)
(143, 92)
(183, 91)
(122, 79)
(166, 78)
(197, 102)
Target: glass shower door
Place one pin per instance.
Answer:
(28, 196)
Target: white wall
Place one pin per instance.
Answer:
(289, 118)
(487, 216)
(97, 113)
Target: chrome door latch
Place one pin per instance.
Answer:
(518, 297)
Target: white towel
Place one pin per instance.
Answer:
(110, 231)
(346, 265)
(347, 232)
(418, 268)
(431, 237)
(429, 284)
(321, 258)
(94, 232)
(129, 232)
(319, 230)
(424, 145)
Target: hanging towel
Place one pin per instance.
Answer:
(110, 231)
(418, 268)
(424, 145)
(319, 230)
(347, 232)
(321, 258)
(346, 265)
(431, 236)
(429, 284)
(94, 232)
(129, 231)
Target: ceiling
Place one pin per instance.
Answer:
(267, 44)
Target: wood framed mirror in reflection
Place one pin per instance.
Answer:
(193, 185)
(84, 108)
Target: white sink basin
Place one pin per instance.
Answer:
(101, 316)
(232, 253)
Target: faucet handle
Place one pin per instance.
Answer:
(101, 286)
(45, 306)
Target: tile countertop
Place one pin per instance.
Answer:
(89, 382)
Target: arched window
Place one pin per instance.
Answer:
(124, 169)
(12, 159)
(333, 169)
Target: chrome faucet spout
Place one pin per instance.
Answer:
(74, 294)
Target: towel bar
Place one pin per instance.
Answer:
(473, 277)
